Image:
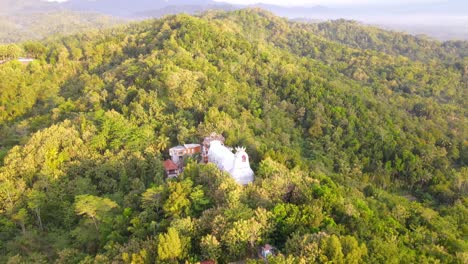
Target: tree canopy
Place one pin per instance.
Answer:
(357, 137)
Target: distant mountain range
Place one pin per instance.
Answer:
(136, 8)
(443, 20)
(189, 9)
(119, 8)
(37, 25)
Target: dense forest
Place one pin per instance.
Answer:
(357, 137)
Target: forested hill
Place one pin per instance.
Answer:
(359, 148)
(356, 35)
(20, 27)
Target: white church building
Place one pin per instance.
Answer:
(237, 164)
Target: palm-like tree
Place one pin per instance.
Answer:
(162, 142)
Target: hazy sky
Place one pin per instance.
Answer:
(331, 2)
(319, 2)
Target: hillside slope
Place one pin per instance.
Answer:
(356, 35)
(38, 25)
(359, 155)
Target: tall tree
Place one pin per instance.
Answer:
(170, 245)
(93, 207)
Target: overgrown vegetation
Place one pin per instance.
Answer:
(359, 155)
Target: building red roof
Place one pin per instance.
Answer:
(208, 262)
(169, 165)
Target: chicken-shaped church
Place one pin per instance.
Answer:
(237, 164)
(212, 150)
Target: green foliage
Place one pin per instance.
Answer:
(169, 246)
(210, 247)
(93, 207)
(356, 137)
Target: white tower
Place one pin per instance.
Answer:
(241, 170)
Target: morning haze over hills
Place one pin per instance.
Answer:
(231, 135)
(443, 19)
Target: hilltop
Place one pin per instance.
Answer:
(355, 134)
(39, 25)
(442, 20)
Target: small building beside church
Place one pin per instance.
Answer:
(179, 153)
(172, 170)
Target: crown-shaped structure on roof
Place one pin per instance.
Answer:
(240, 149)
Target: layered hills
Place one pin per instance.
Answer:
(22, 27)
(357, 137)
(35, 19)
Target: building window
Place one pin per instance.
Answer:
(244, 158)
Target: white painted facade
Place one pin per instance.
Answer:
(235, 164)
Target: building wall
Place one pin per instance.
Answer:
(235, 164)
(221, 156)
